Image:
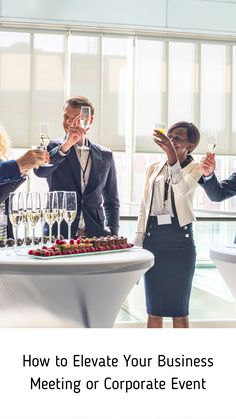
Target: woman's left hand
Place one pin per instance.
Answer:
(165, 143)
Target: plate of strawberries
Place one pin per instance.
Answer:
(82, 246)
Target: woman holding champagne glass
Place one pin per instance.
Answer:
(165, 225)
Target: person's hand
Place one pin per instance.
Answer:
(75, 135)
(165, 143)
(31, 159)
(208, 164)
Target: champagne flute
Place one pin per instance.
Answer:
(43, 199)
(15, 214)
(25, 218)
(70, 210)
(85, 118)
(211, 140)
(60, 197)
(50, 211)
(33, 211)
(161, 126)
(44, 139)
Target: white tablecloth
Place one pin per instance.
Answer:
(87, 291)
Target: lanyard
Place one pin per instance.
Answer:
(85, 168)
(166, 189)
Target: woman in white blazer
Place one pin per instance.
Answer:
(165, 225)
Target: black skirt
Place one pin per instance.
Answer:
(168, 283)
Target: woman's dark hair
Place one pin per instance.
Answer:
(193, 133)
(78, 101)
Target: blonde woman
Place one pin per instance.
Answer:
(12, 174)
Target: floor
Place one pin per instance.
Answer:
(211, 301)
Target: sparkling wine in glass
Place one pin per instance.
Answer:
(70, 210)
(60, 197)
(50, 211)
(211, 140)
(44, 139)
(85, 118)
(15, 213)
(161, 126)
(33, 211)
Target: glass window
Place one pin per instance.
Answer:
(48, 84)
(181, 82)
(15, 70)
(150, 92)
(116, 92)
(213, 94)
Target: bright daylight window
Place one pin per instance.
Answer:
(134, 83)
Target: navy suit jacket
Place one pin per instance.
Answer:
(100, 201)
(9, 172)
(219, 191)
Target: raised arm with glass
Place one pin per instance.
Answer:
(15, 213)
(70, 210)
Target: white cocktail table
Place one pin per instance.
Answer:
(87, 291)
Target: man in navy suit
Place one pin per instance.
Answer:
(89, 170)
(215, 190)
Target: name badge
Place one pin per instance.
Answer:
(3, 219)
(163, 219)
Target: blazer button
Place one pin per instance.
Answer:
(185, 227)
(186, 235)
(148, 234)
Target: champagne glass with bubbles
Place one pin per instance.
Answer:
(16, 213)
(70, 210)
(60, 197)
(33, 210)
(85, 117)
(211, 140)
(44, 139)
(50, 211)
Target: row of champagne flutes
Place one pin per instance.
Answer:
(31, 208)
(211, 136)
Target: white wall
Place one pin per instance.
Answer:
(214, 16)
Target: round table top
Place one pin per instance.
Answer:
(224, 253)
(130, 259)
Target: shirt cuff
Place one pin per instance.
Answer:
(205, 178)
(175, 173)
(61, 153)
(138, 239)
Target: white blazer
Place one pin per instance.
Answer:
(183, 195)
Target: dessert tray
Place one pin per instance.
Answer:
(80, 247)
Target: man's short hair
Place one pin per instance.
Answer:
(78, 101)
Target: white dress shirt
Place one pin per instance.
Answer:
(83, 155)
